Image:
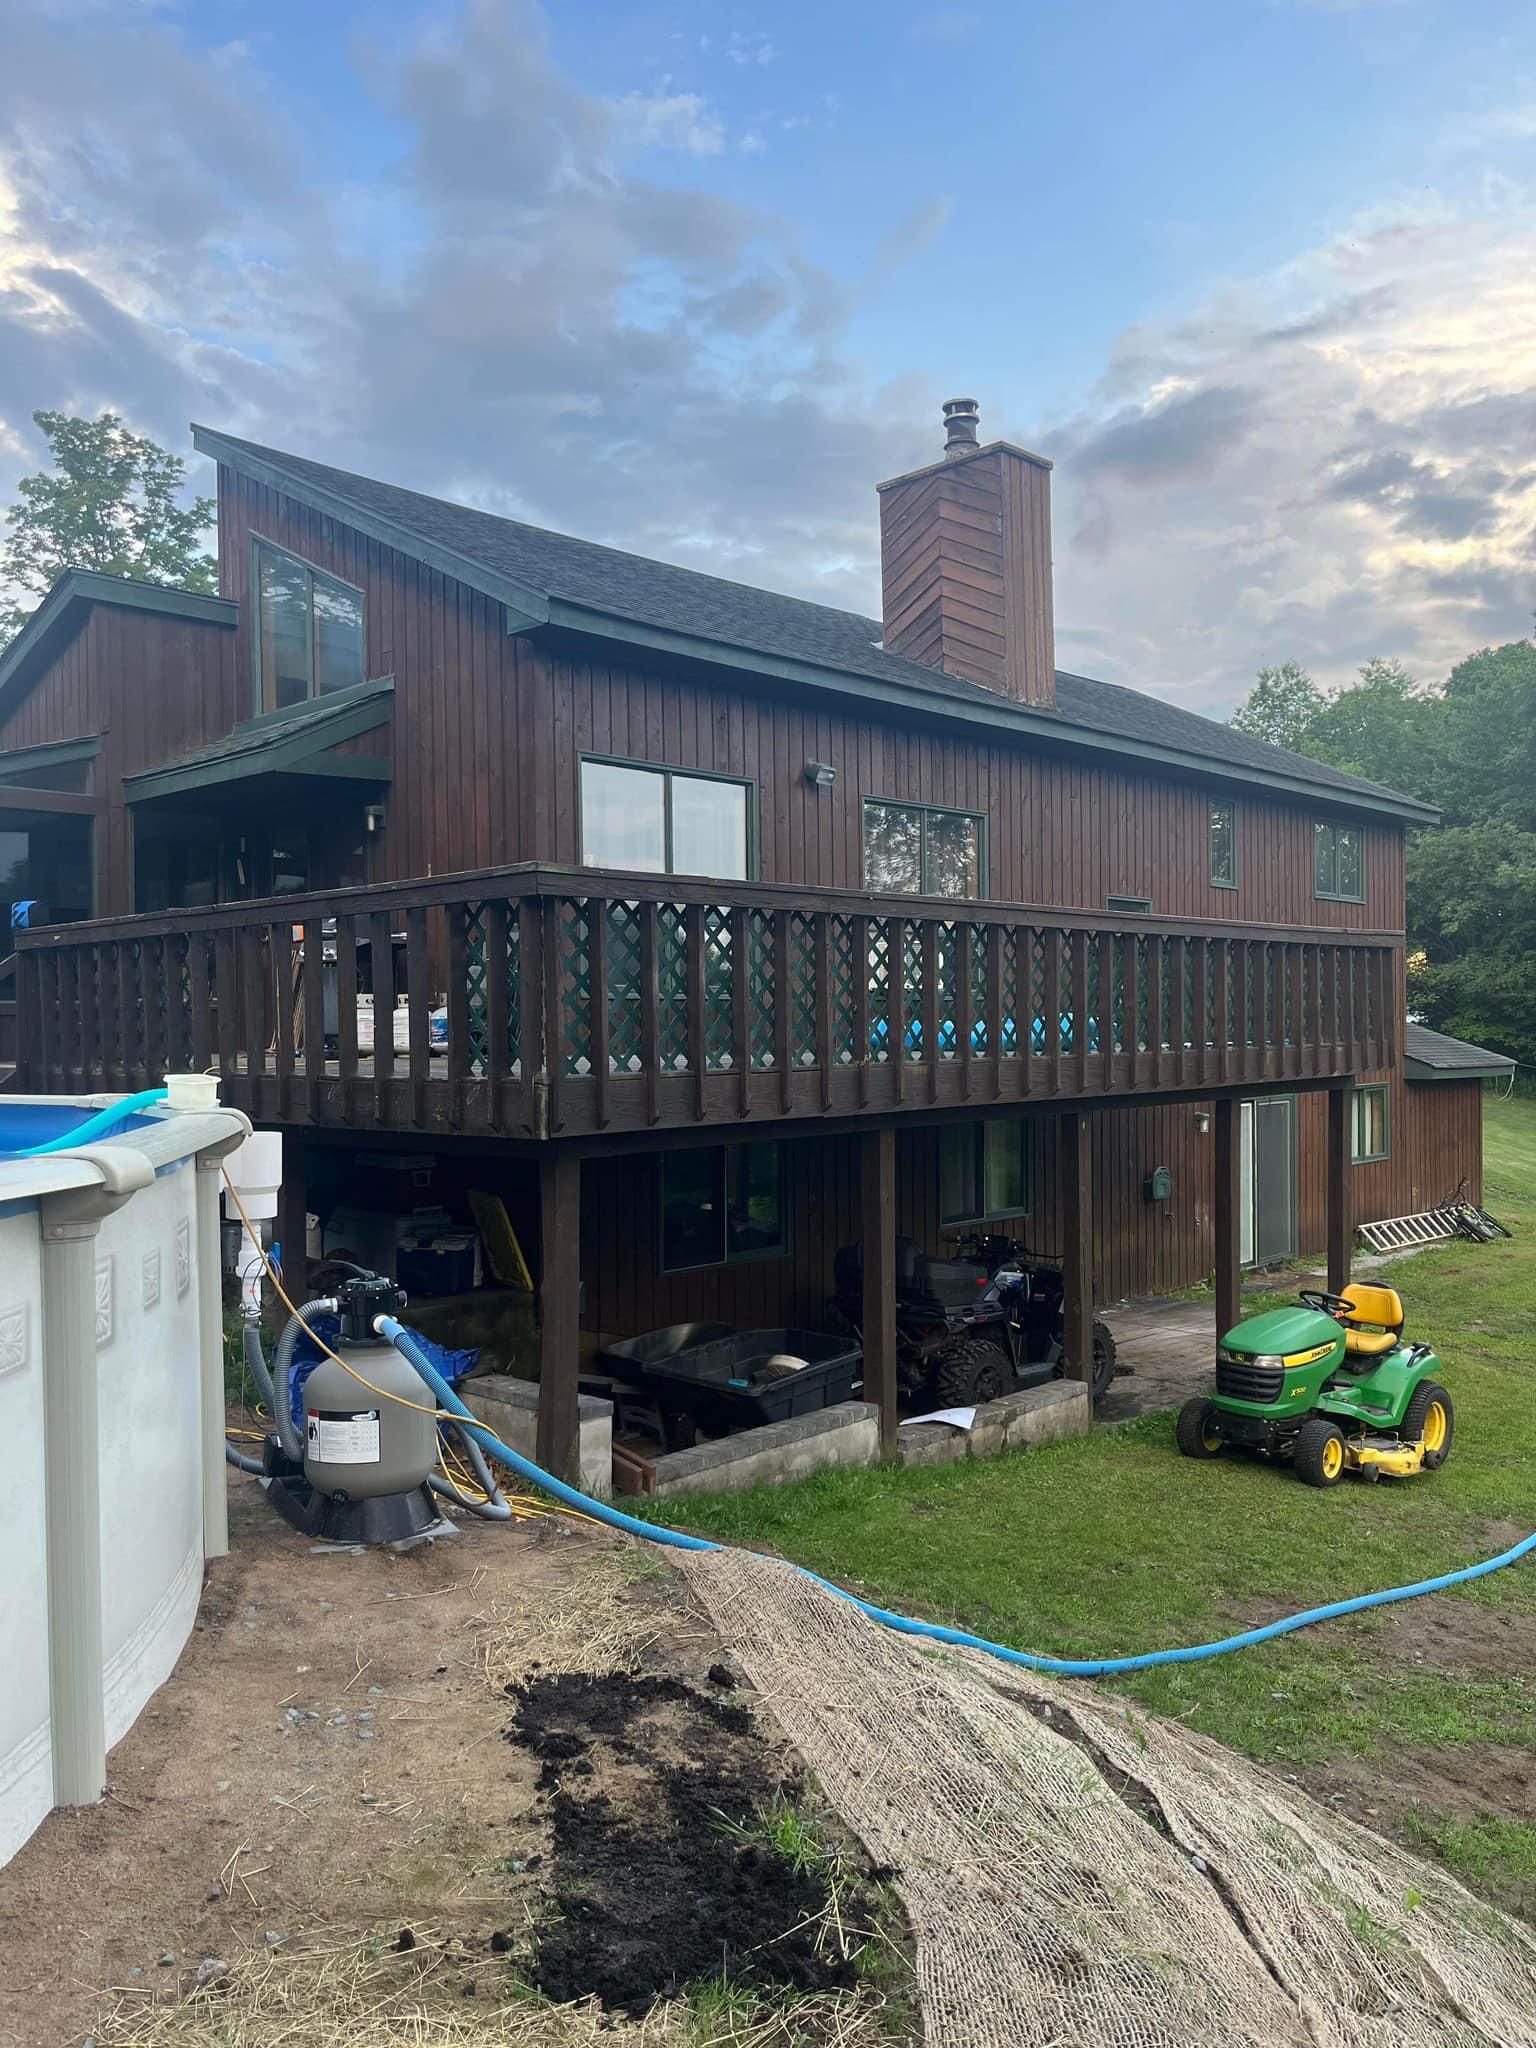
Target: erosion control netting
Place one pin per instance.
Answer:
(1078, 1874)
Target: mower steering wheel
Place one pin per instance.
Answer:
(1325, 1303)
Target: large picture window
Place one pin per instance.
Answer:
(721, 1204)
(660, 821)
(309, 629)
(1340, 862)
(911, 850)
(1372, 1130)
(983, 1171)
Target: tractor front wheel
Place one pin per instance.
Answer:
(1429, 1419)
(1197, 1431)
(1320, 1452)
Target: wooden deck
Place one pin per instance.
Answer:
(542, 1003)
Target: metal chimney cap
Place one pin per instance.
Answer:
(961, 417)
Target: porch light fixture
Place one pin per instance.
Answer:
(1202, 1120)
(819, 775)
(373, 818)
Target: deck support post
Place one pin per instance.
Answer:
(292, 1214)
(1226, 1206)
(1075, 1133)
(877, 1159)
(1341, 1222)
(559, 1427)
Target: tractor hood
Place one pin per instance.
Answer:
(1282, 1333)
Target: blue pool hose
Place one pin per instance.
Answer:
(1063, 1667)
(94, 1127)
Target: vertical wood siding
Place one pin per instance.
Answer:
(488, 731)
(153, 687)
(1139, 1247)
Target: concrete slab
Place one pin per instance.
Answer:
(511, 1408)
(846, 1434)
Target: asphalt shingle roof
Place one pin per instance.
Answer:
(1446, 1054)
(660, 595)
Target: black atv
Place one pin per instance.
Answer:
(972, 1328)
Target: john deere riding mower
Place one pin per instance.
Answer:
(1332, 1385)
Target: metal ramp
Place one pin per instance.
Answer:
(1397, 1233)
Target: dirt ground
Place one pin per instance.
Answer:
(337, 1749)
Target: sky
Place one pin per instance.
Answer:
(691, 278)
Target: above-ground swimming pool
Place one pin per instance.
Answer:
(37, 1123)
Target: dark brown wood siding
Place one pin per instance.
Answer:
(1139, 1247)
(488, 731)
(153, 687)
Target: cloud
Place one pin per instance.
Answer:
(752, 47)
(663, 120)
(1327, 462)
(1330, 460)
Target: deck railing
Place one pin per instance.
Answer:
(547, 1002)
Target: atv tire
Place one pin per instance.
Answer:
(1319, 1457)
(1428, 1396)
(1193, 1431)
(1104, 1361)
(977, 1370)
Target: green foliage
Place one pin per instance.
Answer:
(1280, 706)
(1470, 749)
(112, 503)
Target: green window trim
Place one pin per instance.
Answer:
(1371, 1107)
(1338, 862)
(926, 813)
(1222, 840)
(986, 1155)
(313, 574)
(753, 1223)
(670, 774)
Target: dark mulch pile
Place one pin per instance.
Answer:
(654, 1893)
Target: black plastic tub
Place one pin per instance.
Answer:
(632, 1357)
(719, 1387)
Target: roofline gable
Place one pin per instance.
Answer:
(69, 599)
(528, 610)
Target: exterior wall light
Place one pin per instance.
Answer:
(373, 818)
(819, 775)
(1202, 1120)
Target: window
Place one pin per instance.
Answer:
(46, 874)
(912, 851)
(1372, 1137)
(983, 1171)
(309, 629)
(1340, 867)
(659, 821)
(1137, 905)
(1223, 846)
(721, 1204)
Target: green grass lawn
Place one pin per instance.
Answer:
(1112, 1543)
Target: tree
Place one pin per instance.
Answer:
(1472, 920)
(1280, 706)
(1385, 728)
(113, 504)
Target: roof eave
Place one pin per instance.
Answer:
(366, 709)
(1423, 1070)
(76, 590)
(529, 609)
(1018, 719)
(531, 606)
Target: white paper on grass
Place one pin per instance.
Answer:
(957, 1418)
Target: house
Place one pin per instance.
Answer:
(718, 928)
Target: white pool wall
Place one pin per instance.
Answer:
(127, 1220)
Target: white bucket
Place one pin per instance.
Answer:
(192, 1091)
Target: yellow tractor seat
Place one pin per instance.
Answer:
(1375, 1326)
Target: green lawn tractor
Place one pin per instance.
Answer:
(1331, 1385)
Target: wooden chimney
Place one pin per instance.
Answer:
(965, 556)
